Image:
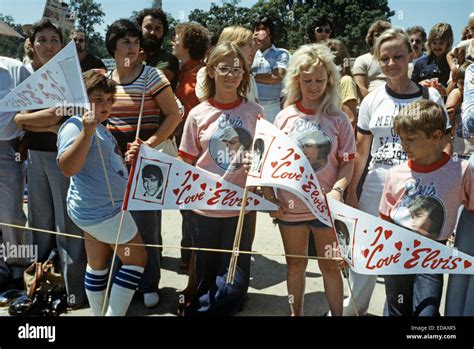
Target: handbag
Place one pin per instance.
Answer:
(43, 279)
(168, 147)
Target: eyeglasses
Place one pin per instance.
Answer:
(226, 70)
(319, 30)
(416, 41)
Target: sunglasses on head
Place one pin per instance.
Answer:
(319, 30)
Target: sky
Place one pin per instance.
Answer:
(407, 12)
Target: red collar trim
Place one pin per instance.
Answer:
(429, 168)
(299, 106)
(225, 106)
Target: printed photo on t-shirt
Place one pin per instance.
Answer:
(229, 143)
(424, 214)
(152, 180)
(315, 144)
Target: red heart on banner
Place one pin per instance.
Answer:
(203, 186)
(274, 163)
(195, 176)
(176, 191)
(398, 245)
(301, 169)
(311, 177)
(41, 86)
(256, 202)
(387, 234)
(416, 243)
(467, 264)
(365, 252)
(218, 185)
(44, 76)
(297, 157)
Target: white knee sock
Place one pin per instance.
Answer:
(95, 282)
(124, 286)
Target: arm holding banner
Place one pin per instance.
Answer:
(165, 99)
(346, 169)
(73, 159)
(363, 144)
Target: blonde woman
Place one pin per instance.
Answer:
(245, 41)
(216, 135)
(314, 120)
(375, 137)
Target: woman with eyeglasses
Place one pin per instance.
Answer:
(226, 117)
(321, 29)
(375, 138)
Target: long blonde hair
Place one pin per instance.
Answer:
(304, 59)
(221, 51)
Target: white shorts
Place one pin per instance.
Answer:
(107, 230)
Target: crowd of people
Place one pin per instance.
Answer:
(369, 130)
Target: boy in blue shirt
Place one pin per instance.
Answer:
(83, 142)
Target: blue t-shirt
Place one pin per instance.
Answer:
(265, 62)
(88, 198)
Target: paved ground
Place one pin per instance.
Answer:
(267, 295)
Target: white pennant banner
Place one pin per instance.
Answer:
(373, 246)
(279, 162)
(56, 83)
(160, 182)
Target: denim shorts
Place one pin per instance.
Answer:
(314, 223)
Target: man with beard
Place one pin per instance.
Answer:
(88, 61)
(154, 26)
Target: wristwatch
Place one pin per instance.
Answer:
(338, 189)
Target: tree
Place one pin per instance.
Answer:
(88, 14)
(292, 18)
(9, 46)
(219, 17)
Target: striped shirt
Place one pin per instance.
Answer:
(123, 118)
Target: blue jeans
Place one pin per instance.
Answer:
(271, 109)
(149, 226)
(47, 190)
(413, 295)
(213, 295)
(460, 293)
(186, 238)
(12, 183)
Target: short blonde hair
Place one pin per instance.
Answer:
(443, 32)
(236, 34)
(421, 115)
(218, 54)
(305, 59)
(389, 35)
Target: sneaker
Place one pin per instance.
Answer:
(151, 300)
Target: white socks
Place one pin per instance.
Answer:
(125, 283)
(124, 286)
(95, 282)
